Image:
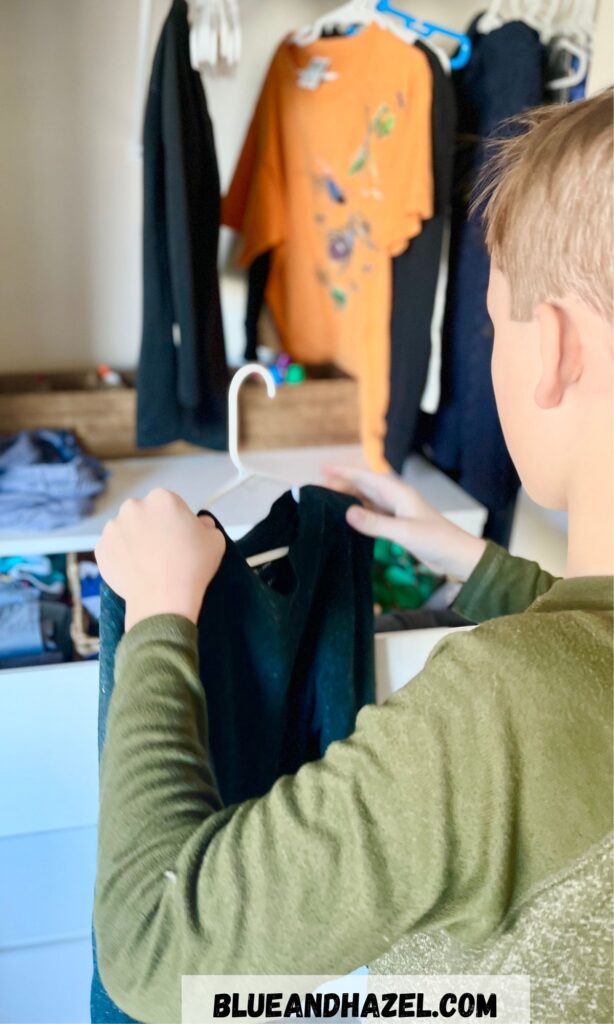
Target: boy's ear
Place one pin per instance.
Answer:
(561, 354)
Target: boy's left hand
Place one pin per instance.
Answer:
(159, 556)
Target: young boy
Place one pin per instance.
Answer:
(466, 826)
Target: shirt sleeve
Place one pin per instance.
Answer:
(395, 829)
(501, 584)
(254, 202)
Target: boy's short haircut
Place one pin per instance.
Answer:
(548, 205)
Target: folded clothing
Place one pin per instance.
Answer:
(46, 480)
(33, 627)
(33, 660)
(13, 592)
(44, 574)
(91, 581)
(20, 629)
(418, 618)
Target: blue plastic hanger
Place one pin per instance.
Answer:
(426, 29)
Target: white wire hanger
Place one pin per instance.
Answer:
(244, 473)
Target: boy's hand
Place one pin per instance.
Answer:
(397, 512)
(159, 556)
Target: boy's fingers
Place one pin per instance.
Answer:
(335, 483)
(378, 488)
(352, 475)
(374, 524)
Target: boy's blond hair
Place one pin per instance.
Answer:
(549, 205)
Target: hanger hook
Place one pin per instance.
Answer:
(233, 407)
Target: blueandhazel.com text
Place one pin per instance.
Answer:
(347, 1005)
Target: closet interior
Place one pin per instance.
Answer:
(238, 246)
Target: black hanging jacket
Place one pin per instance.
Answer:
(182, 377)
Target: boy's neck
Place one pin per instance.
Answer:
(590, 550)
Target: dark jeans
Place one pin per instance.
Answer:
(102, 1008)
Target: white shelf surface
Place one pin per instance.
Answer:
(197, 477)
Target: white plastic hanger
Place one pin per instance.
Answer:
(243, 473)
(355, 12)
(544, 18)
(571, 19)
(578, 74)
(496, 16)
(491, 19)
(531, 12)
(579, 25)
(549, 18)
(392, 19)
(215, 40)
(215, 34)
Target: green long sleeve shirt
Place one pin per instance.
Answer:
(465, 826)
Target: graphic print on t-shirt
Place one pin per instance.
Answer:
(347, 248)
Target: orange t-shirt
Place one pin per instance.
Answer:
(335, 181)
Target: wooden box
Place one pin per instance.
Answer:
(323, 410)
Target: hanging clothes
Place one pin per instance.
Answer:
(416, 318)
(415, 281)
(334, 180)
(504, 77)
(286, 652)
(182, 377)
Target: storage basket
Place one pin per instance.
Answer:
(323, 410)
(86, 646)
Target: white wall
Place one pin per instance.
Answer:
(70, 201)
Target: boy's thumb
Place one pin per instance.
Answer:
(375, 524)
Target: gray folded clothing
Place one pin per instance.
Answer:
(20, 629)
(418, 618)
(33, 660)
(46, 480)
(35, 627)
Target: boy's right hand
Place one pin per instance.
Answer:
(396, 511)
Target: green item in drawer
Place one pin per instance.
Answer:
(399, 580)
